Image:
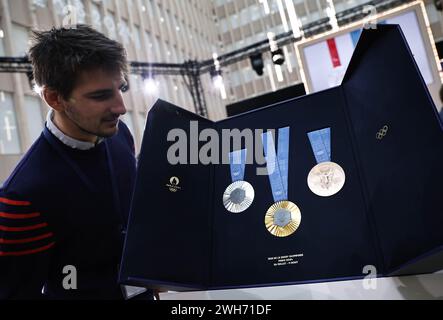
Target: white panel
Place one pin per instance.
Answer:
(318, 60)
(319, 65)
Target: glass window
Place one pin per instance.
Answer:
(221, 2)
(2, 47)
(20, 44)
(273, 6)
(9, 138)
(59, 6)
(293, 59)
(177, 24)
(150, 8)
(433, 14)
(234, 21)
(255, 13)
(34, 117)
(249, 74)
(168, 22)
(109, 22)
(181, 92)
(260, 37)
(315, 16)
(157, 48)
(224, 25)
(80, 10)
(150, 46)
(163, 88)
(158, 12)
(124, 32)
(40, 3)
(245, 16)
(96, 17)
(235, 78)
(138, 38)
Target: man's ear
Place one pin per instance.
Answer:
(53, 99)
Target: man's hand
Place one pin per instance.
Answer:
(157, 293)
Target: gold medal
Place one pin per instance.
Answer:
(283, 218)
(238, 196)
(326, 179)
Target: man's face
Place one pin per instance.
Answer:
(96, 103)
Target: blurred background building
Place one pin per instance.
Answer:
(164, 31)
(243, 22)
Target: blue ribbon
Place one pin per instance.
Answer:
(321, 144)
(237, 161)
(277, 162)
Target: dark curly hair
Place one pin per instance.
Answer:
(58, 56)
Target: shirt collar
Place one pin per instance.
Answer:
(66, 140)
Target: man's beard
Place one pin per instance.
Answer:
(71, 114)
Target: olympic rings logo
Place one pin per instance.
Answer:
(382, 133)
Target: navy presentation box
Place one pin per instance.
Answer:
(389, 213)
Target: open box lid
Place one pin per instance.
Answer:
(399, 141)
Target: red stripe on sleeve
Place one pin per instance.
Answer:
(26, 252)
(27, 240)
(14, 202)
(19, 216)
(37, 226)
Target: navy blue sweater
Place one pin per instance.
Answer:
(65, 207)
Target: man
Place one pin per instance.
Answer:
(64, 209)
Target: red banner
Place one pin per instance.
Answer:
(333, 53)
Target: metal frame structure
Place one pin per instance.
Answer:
(191, 70)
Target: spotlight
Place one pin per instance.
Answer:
(217, 80)
(278, 57)
(277, 53)
(150, 85)
(215, 73)
(257, 63)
